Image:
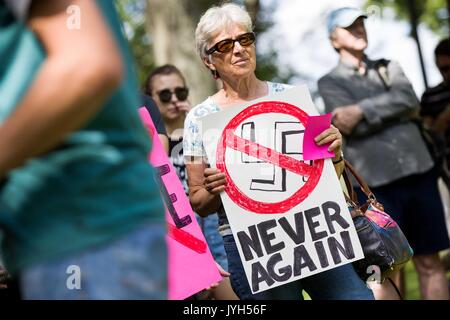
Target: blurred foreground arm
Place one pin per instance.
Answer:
(82, 68)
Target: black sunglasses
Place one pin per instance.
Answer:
(227, 45)
(180, 92)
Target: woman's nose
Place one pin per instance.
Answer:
(237, 47)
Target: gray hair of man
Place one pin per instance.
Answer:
(216, 19)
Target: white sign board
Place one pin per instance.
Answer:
(289, 217)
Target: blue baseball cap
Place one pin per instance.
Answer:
(343, 18)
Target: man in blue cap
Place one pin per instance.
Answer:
(374, 105)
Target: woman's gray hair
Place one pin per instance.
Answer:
(217, 18)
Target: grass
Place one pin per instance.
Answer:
(411, 283)
(412, 291)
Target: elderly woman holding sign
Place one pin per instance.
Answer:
(225, 42)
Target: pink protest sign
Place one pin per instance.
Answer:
(315, 126)
(191, 265)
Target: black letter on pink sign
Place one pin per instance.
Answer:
(170, 199)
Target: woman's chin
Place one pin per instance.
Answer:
(243, 72)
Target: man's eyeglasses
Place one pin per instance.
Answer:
(227, 45)
(180, 92)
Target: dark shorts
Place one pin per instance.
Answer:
(415, 204)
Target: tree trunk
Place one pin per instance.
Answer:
(414, 25)
(252, 7)
(172, 30)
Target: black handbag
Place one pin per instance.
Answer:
(383, 242)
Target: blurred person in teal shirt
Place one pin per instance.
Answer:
(80, 210)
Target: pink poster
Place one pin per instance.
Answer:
(191, 265)
(315, 126)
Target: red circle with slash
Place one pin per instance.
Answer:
(230, 140)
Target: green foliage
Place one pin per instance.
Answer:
(431, 12)
(133, 16)
(267, 62)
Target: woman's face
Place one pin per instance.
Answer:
(174, 108)
(237, 63)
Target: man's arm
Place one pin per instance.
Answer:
(83, 67)
(397, 103)
(337, 101)
(362, 118)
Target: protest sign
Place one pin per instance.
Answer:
(288, 216)
(191, 267)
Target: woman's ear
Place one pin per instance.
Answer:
(208, 63)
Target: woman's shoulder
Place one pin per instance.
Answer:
(203, 109)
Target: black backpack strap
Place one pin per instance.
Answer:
(381, 67)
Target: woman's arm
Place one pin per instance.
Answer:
(205, 186)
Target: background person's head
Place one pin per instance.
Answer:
(167, 86)
(215, 34)
(442, 56)
(347, 31)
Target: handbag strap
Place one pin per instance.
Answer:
(352, 197)
(363, 185)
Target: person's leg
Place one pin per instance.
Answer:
(132, 267)
(341, 283)
(239, 282)
(386, 290)
(224, 291)
(427, 222)
(289, 291)
(209, 225)
(432, 279)
(238, 278)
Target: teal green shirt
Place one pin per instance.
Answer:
(94, 188)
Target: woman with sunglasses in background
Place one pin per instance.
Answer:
(225, 43)
(167, 86)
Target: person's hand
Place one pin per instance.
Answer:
(222, 271)
(184, 106)
(207, 293)
(215, 181)
(334, 137)
(3, 278)
(346, 118)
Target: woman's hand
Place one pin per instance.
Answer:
(184, 106)
(205, 185)
(334, 137)
(215, 181)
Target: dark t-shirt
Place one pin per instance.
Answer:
(434, 102)
(153, 110)
(177, 159)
